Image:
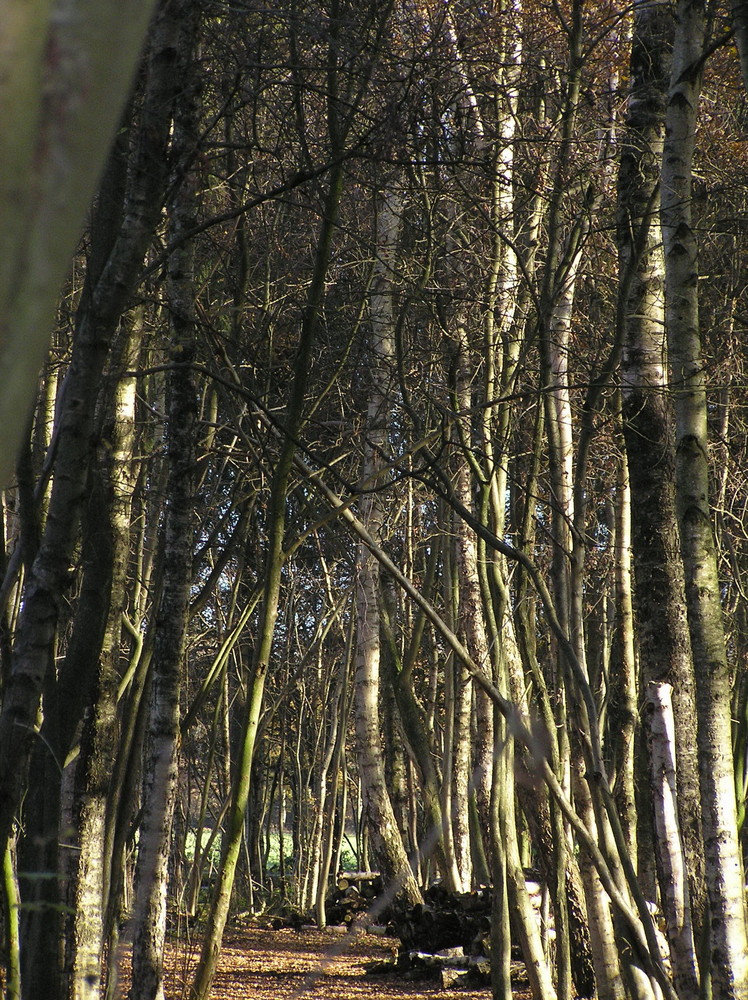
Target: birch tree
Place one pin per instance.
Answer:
(387, 843)
(664, 645)
(729, 946)
(172, 616)
(63, 88)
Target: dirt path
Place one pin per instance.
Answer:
(259, 964)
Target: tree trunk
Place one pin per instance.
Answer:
(664, 648)
(622, 722)
(162, 742)
(63, 86)
(11, 901)
(417, 736)
(675, 900)
(109, 288)
(172, 617)
(455, 792)
(385, 837)
(110, 542)
(341, 709)
(729, 945)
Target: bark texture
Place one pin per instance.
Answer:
(664, 646)
(385, 836)
(108, 293)
(160, 782)
(729, 945)
(63, 86)
(172, 616)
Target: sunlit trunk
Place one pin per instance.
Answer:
(664, 647)
(170, 625)
(724, 879)
(385, 836)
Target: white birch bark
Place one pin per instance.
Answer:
(623, 710)
(92, 882)
(729, 942)
(170, 625)
(383, 830)
(665, 789)
(664, 646)
(62, 89)
(471, 607)
(461, 781)
(458, 701)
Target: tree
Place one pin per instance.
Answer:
(664, 646)
(63, 91)
(172, 616)
(729, 966)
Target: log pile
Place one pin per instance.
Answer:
(353, 895)
(448, 937)
(445, 920)
(451, 966)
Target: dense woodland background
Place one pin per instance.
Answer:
(384, 499)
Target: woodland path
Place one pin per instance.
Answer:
(259, 964)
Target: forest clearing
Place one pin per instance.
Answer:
(374, 496)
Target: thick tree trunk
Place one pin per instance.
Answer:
(62, 89)
(729, 944)
(108, 290)
(93, 772)
(664, 648)
(110, 542)
(385, 837)
(172, 617)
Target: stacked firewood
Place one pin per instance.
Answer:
(451, 966)
(353, 895)
(445, 920)
(448, 936)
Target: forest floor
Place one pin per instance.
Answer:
(260, 964)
